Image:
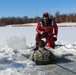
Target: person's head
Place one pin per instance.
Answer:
(42, 44)
(45, 16)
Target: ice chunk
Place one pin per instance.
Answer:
(17, 42)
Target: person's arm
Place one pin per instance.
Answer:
(38, 28)
(52, 58)
(32, 56)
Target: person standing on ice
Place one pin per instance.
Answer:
(42, 56)
(48, 29)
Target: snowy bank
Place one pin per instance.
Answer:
(69, 24)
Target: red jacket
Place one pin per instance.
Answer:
(51, 27)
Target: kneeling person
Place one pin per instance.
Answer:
(42, 56)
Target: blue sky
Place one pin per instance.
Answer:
(33, 8)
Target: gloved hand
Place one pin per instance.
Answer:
(55, 38)
(44, 33)
(41, 32)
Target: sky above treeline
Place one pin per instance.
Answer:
(33, 8)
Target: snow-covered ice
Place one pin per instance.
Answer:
(14, 60)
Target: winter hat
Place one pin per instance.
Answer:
(42, 43)
(45, 14)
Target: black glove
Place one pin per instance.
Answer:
(55, 38)
(44, 33)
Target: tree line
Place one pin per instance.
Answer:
(59, 18)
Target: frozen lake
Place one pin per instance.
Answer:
(64, 33)
(12, 62)
(67, 34)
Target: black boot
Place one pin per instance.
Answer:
(52, 46)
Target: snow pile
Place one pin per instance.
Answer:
(66, 50)
(14, 59)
